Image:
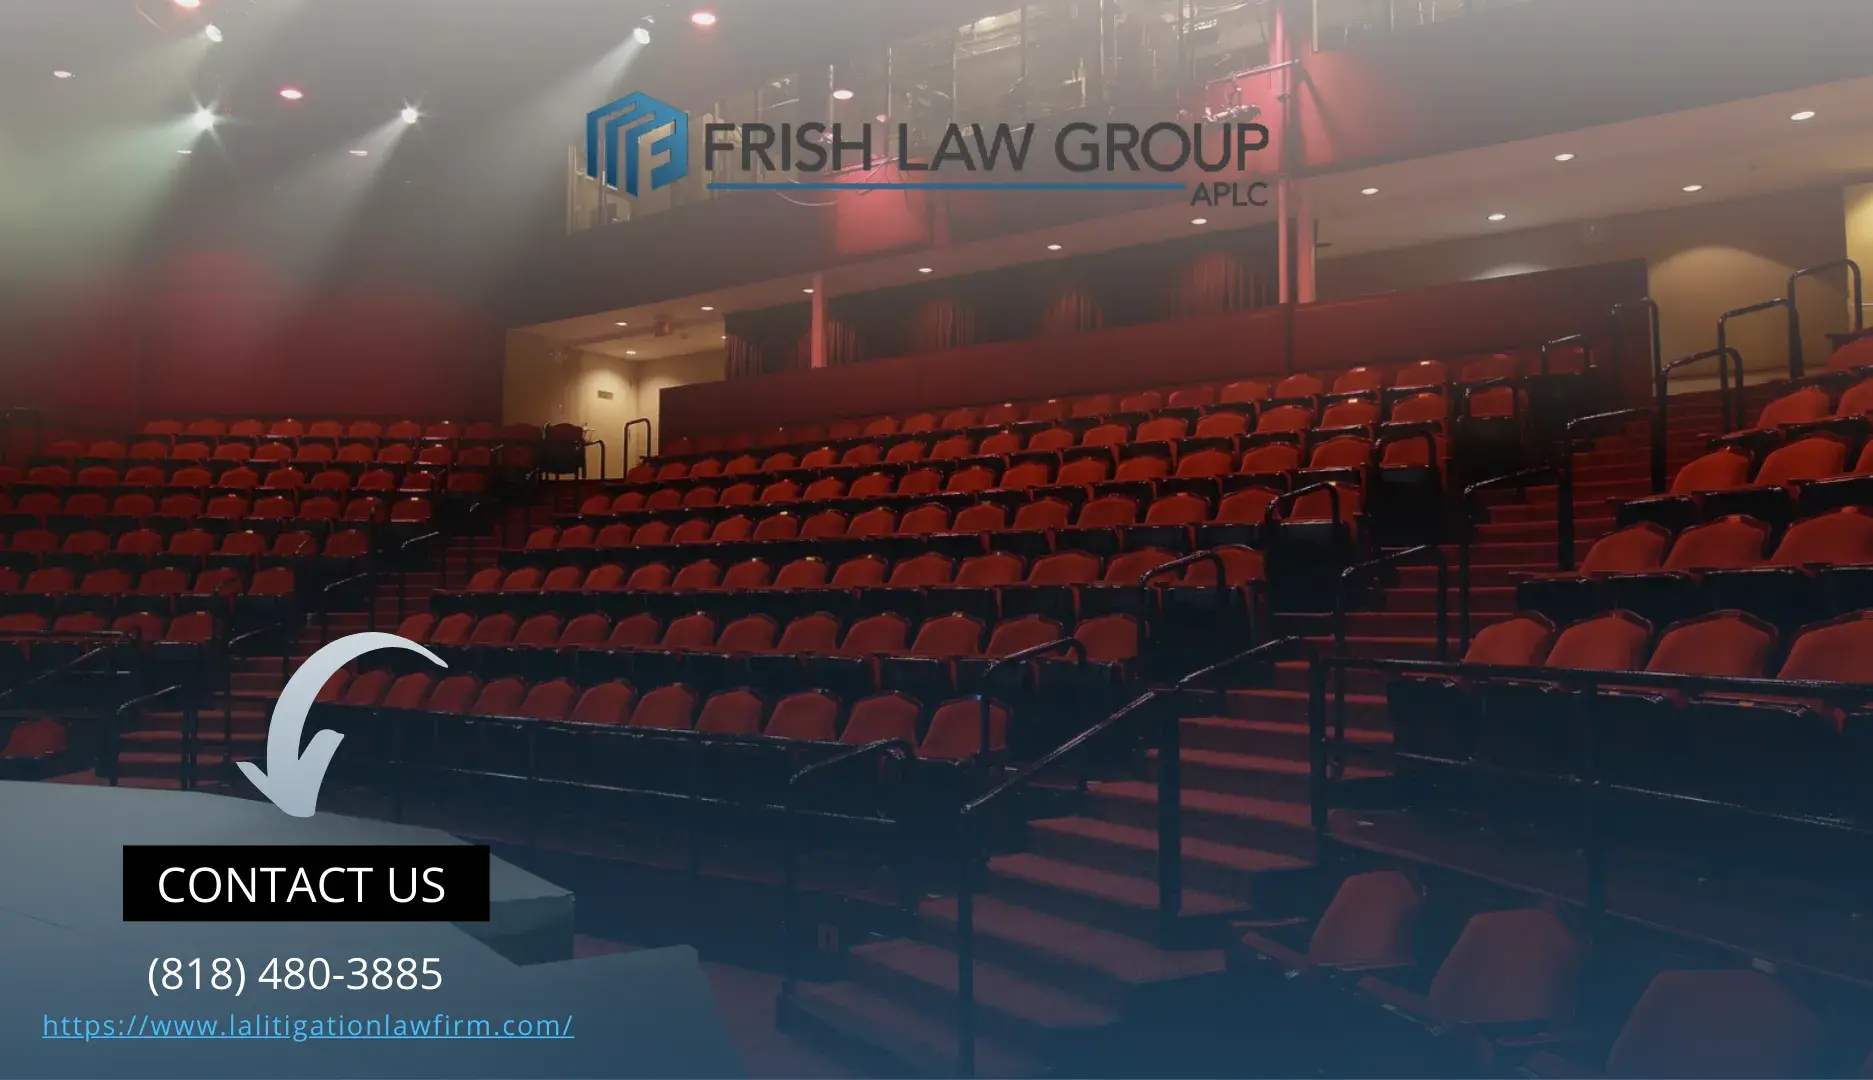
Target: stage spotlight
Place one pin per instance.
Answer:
(842, 95)
(204, 119)
(641, 35)
(212, 33)
(410, 115)
(703, 18)
(292, 93)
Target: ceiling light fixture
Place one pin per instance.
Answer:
(292, 93)
(926, 269)
(359, 153)
(1563, 157)
(1498, 217)
(641, 36)
(708, 307)
(703, 18)
(624, 324)
(185, 150)
(188, 5)
(630, 352)
(1805, 114)
(212, 33)
(1693, 188)
(409, 115)
(809, 292)
(842, 94)
(1199, 221)
(1053, 247)
(204, 119)
(1369, 191)
(61, 74)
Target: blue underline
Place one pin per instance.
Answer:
(948, 185)
(310, 1038)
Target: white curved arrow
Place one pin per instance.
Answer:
(292, 779)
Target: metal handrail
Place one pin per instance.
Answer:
(1289, 498)
(403, 570)
(1650, 307)
(1467, 533)
(122, 639)
(649, 438)
(1586, 351)
(897, 749)
(114, 736)
(1214, 556)
(1564, 485)
(1797, 365)
(1730, 399)
(1071, 644)
(1723, 331)
(325, 602)
(1359, 571)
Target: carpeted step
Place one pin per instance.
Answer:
(1027, 1014)
(1526, 553)
(1415, 624)
(1087, 961)
(886, 1037)
(1231, 819)
(1121, 903)
(1291, 677)
(1274, 738)
(1214, 867)
(1260, 776)
(1364, 710)
(1493, 599)
(1497, 532)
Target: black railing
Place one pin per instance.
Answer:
(1576, 433)
(1729, 387)
(1280, 503)
(896, 749)
(403, 572)
(1797, 365)
(1780, 303)
(1466, 536)
(649, 438)
(326, 594)
(113, 737)
(1614, 355)
(1257, 594)
(114, 640)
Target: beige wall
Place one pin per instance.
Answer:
(558, 384)
(1859, 205)
(1703, 260)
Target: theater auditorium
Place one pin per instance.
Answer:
(1010, 619)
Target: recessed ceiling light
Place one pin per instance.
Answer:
(703, 18)
(188, 5)
(204, 119)
(212, 32)
(842, 94)
(61, 74)
(1369, 191)
(1563, 157)
(806, 290)
(359, 153)
(1498, 217)
(926, 269)
(292, 93)
(1053, 247)
(630, 352)
(409, 115)
(624, 324)
(883, 119)
(1694, 188)
(1199, 221)
(185, 150)
(641, 36)
(1805, 114)
(708, 307)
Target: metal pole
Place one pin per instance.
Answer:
(1170, 816)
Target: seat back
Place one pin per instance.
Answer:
(1372, 920)
(1723, 544)
(1522, 641)
(808, 715)
(1634, 548)
(1519, 966)
(1721, 643)
(1614, 641)
(1718, 1023)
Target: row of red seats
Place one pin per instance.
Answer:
(1295, 423)
(316, 455)
(182, 507)
(1425, 374)
(952, 731)
(1282, 465)
(150, 479)
(161, 585)
(927, 570)
(401, 430)
(191, 628)
(1756, 749)
(1809, 471)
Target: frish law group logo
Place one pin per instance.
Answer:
(633, 131)
(627, 126)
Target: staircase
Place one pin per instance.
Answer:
(1067, 939)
